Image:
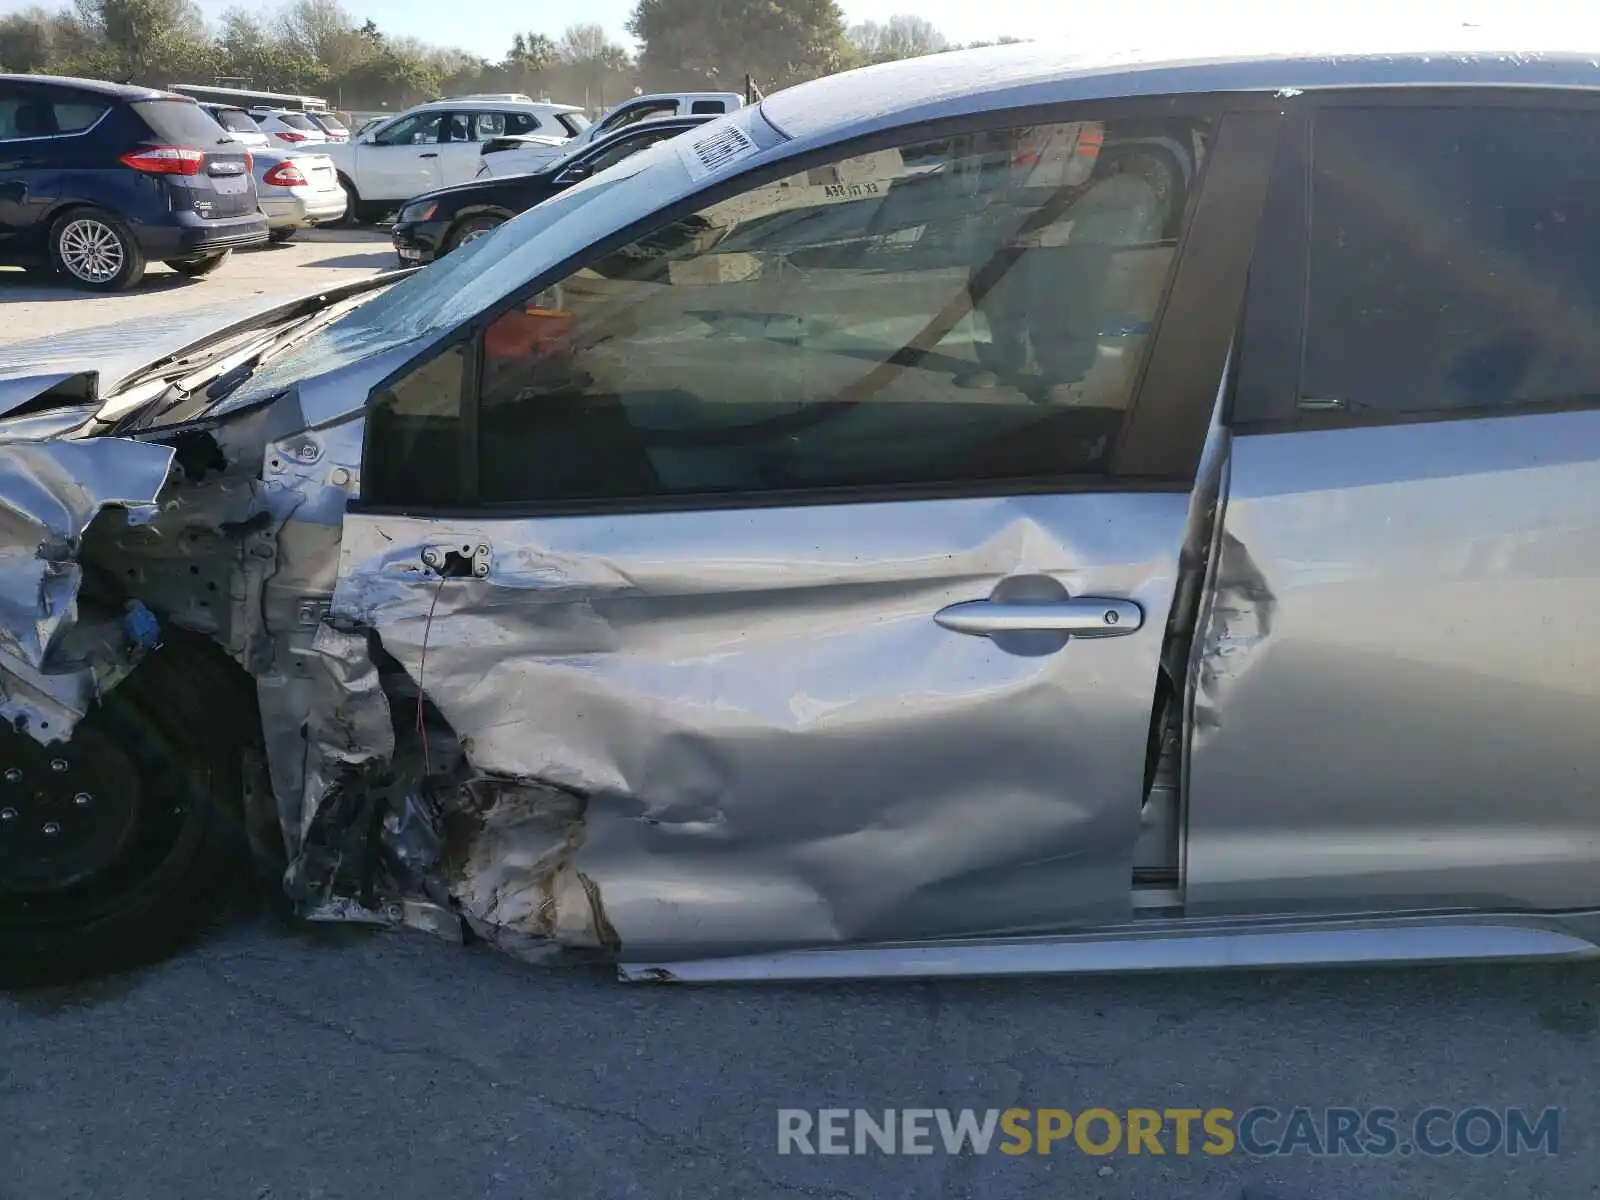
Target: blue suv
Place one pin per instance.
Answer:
(99, 179)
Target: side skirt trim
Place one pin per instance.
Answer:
(1171, 947)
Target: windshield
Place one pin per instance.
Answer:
(450, 291)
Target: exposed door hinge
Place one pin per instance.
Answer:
(459, 561)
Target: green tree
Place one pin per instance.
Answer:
(717, 42)
(590, 63)
(904, 35)
(35, 40)
(328, 33)
(147, 41)
(249, 50)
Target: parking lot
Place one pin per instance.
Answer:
(316, 258)
(277, 1061)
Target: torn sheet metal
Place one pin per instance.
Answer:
(49, 494)
(776, 743)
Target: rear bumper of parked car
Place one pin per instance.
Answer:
(419, 241)
(298, 209)
(191, 236)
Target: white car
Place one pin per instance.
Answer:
(663, 104)
(240, 124)
(335, 129)
(506, 156)
(438, 144)
(288, 129)
(296, 190)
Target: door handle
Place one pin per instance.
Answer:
(1083, 617)
(433, 154)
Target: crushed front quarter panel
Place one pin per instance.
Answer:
(50, 492)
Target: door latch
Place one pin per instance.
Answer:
(459, 561)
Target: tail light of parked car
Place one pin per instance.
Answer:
(289, 135)
(165, 160)
(285, 175)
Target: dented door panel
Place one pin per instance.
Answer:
(701, 732)
(1396, 688)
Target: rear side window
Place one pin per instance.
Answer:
(178, 122)
(488, 125)
(702, 107)
(29, 115)
(1454, 260)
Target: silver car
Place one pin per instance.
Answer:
(297, 190)
(1002, 512)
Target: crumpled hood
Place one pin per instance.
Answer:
(105, 355)
(82, 366)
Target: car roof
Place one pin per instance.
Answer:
(1197, 60)
(120, 91)
(497, 105)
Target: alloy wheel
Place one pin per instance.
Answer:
(91, 250)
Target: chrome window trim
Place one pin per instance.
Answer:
(54, 137)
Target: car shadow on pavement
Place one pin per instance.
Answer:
(17, 286)
(375, 261)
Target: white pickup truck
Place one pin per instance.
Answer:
(439, 143)
(514, 155)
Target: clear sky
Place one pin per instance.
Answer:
(486, 26)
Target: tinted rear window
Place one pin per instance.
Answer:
(332, 124)
(1453, 258)
(296, 120)
(179, 122)
(25, 115)
(237, 120)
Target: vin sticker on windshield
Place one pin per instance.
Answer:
(711, 152)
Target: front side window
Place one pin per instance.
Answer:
(1452, 260)
(970, 309)
(419, 130)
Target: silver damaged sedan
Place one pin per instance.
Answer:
(1015, 511)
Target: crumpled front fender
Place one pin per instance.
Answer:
(50, 491)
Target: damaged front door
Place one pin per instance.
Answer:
(810, 556)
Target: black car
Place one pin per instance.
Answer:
(435, 223)
(98, 179)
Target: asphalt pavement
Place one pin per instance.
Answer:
(276, 1062)
(316, 258)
